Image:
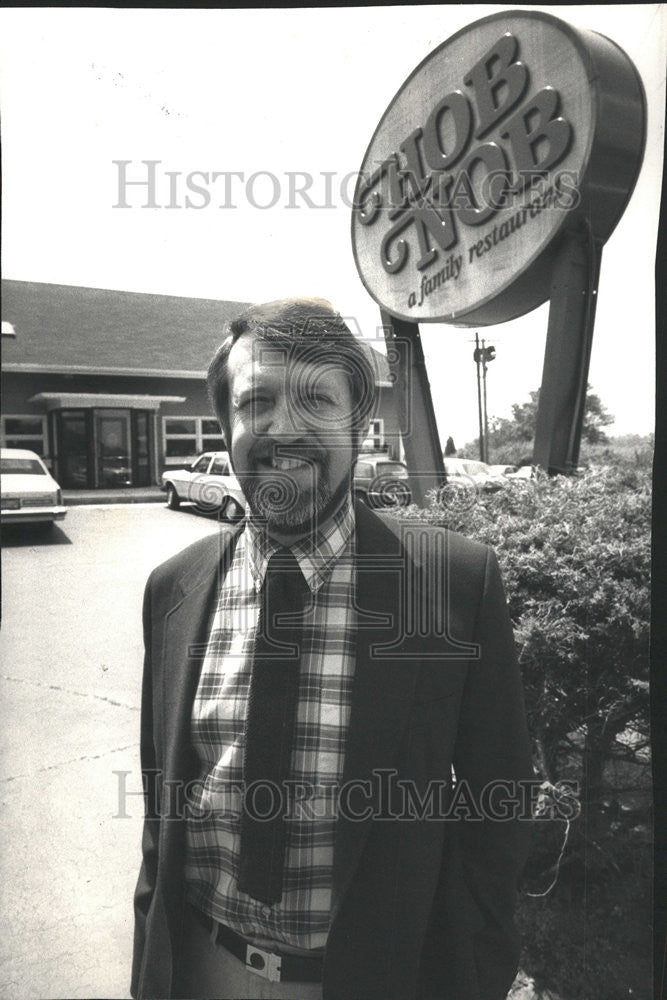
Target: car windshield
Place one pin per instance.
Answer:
(391, 469)
(22, 467)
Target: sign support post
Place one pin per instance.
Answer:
(562, 399)
(421, 440)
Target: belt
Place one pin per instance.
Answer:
(277, 967)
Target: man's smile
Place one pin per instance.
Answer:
(286, 464)
(304, 461)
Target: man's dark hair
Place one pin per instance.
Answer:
(309, 330)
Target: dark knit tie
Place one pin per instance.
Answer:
(272, 703)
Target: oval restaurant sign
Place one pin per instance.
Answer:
(512, 130)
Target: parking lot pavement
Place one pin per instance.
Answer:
(71, 651)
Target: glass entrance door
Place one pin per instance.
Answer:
(112, 448)
(74, 453)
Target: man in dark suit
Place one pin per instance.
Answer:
(336, 809)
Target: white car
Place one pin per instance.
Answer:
(523, 472)
(502, 470)
(29, 491)
(471, 474)
(209, 483)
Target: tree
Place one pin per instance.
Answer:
(510, 439)
(596, 416)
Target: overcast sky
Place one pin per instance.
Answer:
(267, 94)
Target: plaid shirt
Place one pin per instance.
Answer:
(301, 919)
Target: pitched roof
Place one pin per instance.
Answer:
(70, 329)
(66, 328)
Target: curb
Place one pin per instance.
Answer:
(101, 497)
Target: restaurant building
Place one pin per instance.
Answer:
(108, 386)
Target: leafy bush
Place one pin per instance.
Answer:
(575, 556)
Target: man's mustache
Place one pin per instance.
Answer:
(293, 449)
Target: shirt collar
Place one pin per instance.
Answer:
(316, 554)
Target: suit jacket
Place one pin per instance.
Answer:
(422, 907)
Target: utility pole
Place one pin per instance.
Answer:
(486, 414)
(482, 356)
(488, 354)
(478, 360)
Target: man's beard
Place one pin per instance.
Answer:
(278, 502)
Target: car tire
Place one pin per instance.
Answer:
(402, 496)
(228, 510)
(359, 495)
(173, 499)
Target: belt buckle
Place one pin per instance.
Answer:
(263, 963)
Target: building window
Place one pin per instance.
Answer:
(186, 437)
(25, 432)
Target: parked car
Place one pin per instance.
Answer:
(209, 483)
(502, 470)
(380, 481)
(29, 491)
(523, 472)
(471, 474)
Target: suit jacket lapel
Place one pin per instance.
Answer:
(185, 638)
(382, 690)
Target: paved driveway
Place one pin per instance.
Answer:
(71, 655)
